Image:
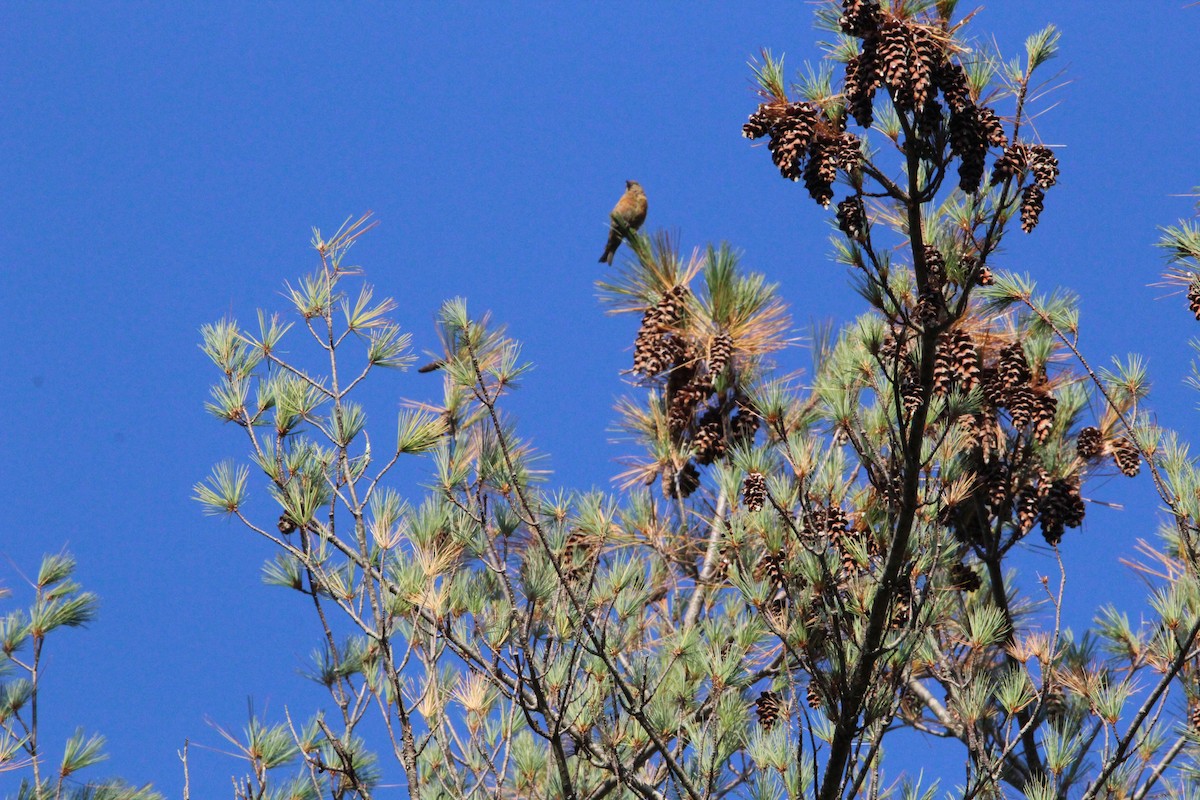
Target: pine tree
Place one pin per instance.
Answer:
(790, 570)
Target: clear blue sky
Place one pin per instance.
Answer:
(163, 163)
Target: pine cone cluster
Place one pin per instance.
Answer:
(658, 347)
(823, 520)
(1036, 160)
(1012, 485)
(906, 58)
(831, 523)
(913, 62)
(754, 491)
(663, 348)
(972, 131)
(1010, 384)
(805, 143)
(711, 422)
(768, 707)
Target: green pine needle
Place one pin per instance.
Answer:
(224, 491)
(80, 753)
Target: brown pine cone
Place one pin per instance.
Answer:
(720, 349)
(1061, 507)
(683, 403)
(859, 17)
(743, 425)
(1011, 164)
(1022, 405)
(1044, 166)
(952, 80)
(760, 122)
(1027, 511)
(851, 219)
(929, 308)
(821, 171)
(1012, 367)
(965, 357)
(754, 491)
(964, 578)
(1043, 417)
(862, 78)
(1125, 456)
(688, 480)
(935, 267)
(968, 141)
(708, 442)
(993, 129)
(1089, 443)
(943, 366)
(1032, 198)
(893, 61)
(767, 707)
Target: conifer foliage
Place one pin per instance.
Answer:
(28, 637)
(791, 567)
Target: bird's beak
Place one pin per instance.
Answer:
(628, 184)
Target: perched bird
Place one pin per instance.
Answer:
(627, 216)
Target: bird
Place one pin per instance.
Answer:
(627, 216)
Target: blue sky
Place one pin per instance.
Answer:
(163, 164)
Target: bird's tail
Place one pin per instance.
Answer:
(610, 248)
